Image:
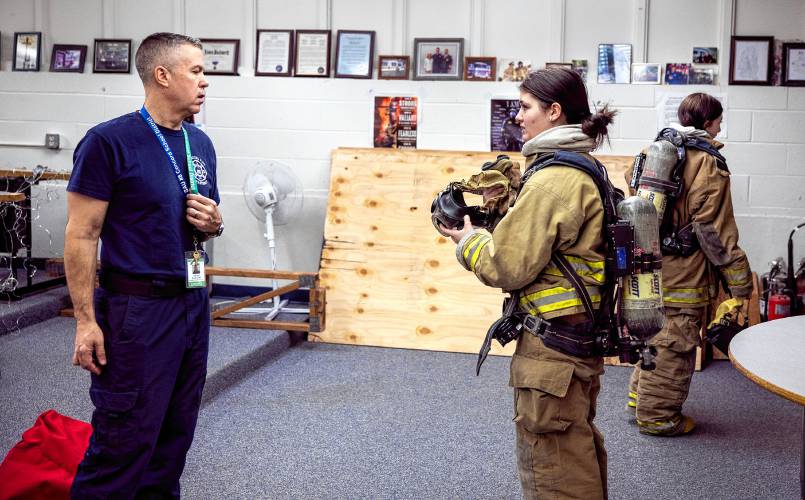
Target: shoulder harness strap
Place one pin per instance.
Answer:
(608, 194)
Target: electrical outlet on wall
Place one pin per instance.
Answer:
(52, 141)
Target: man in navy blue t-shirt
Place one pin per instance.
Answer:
(145, 184)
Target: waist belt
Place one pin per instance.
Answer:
(577, 340)
(145, 286)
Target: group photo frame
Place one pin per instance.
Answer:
(27, 51)
(111, 56)
(438, 58)
(354, 54)
(793, 74)
(391, 67)
(274, 54)
(221, 56)
(312, 53)
(68, 58)
(751, 60)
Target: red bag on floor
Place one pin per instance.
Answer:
(43, 464)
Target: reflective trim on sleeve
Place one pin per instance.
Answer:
(556, 299)
(737, 276)
(593, 269)
(469, 250)
(685, 295)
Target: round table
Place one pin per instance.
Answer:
(772, 355)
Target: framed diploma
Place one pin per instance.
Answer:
(274, 52)
(312, 53)
(354, 54)
(794, 64)
(220, 56)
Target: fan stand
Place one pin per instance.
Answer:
(277, 305)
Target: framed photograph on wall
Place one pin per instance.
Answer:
(705, 55)
(703, 75)
(68, 58)
(646, 73)
(393, 67)
(354, 54)
(559, 65)
(794, 64)
(112, 56)
(580, 66)
(312, 53)
(614, 62)
(274, 53)
(27, 51)
(221, 56)
(677, 73)
(480, 69)
(438, 58)
(751, 60)
(513, 70)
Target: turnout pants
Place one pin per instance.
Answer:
(148, 395)
(560, 452)
(662, 391)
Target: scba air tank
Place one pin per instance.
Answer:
(655, 181)
(641, 293)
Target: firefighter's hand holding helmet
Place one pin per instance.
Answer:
(458, 233)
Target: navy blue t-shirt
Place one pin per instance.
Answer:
(122, 162)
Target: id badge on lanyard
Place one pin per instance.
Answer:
(195, 277)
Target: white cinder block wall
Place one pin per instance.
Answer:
(299, 121)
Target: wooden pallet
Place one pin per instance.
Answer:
(316, 299)
(391, 279)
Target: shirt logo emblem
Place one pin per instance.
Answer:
(201, 170)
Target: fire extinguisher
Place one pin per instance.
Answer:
(771, 282)
(779, 305)
(791, 282)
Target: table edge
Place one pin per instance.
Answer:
(791, 396)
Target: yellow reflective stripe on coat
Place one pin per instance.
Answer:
(593, 269)
(472, 250)
(685, 295)
(736, 277)
(556, 298)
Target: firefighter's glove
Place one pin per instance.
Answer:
(733, 311)
(498, 182)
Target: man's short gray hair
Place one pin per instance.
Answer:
(156, 50)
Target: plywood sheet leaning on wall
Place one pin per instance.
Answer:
(391, 279)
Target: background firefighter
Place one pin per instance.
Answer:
(703, 216)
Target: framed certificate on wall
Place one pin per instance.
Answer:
(274, 53)
(221, 56)
(312, 53)
(354, 54)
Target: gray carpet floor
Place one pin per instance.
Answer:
(326, 421)
(319, 421)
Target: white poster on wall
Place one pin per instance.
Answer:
(668, 104)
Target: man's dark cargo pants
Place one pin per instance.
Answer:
(147, 398)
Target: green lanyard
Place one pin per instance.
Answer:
(191, 168)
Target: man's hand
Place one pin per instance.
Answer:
(457, 234)
(89, 347)
(203, 213)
